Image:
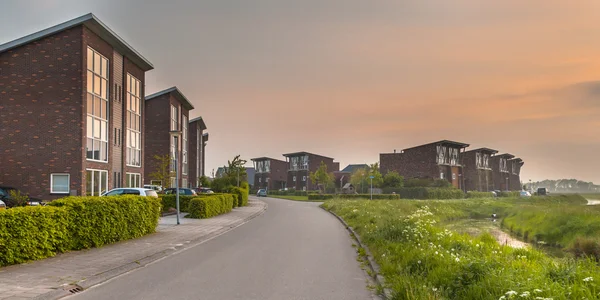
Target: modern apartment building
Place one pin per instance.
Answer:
(270, 173)
(301, 164)
(197, 150)
(478, 169)
(71, 111)
(437, 160)
(167, 110)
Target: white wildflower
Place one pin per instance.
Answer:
(511, 293)
(434, 289)
(419, 262)
(588, 279)
(525, 294)
(457, 259)
(537, 291)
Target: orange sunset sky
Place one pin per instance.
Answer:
(351, 79)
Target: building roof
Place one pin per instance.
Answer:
(95, 25)
(265, 158)
(506, 155)
(205, 136)
(518, 160)
(492, 151)
(352, 168)
(453, 143)
(304, 153)
(176, 93)
(201, 122)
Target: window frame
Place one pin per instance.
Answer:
(128, 179)
(99, 172)
(103, 74)
(52, 183)
(133, 96)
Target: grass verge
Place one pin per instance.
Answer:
(294, 198)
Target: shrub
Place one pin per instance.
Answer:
(97, 221)
(204, 207)
(73, 223)
(368, 196)
(320, 196)
(430, 193)
(241, 196)
(509, 194)
(169, 201)
(475, 194)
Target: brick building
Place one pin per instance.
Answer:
(197, 150)
(438, 160)
(514, 179)
(167, 110)
(71, 114)
(300, 164)
(270, 173)
(501, 171)
(478, 169)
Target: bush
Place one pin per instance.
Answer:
(241, 196)
(475, 194)
(509, 194)
(204, 207)
(320, 196)
(169, 201)
(73, 223)
(430, 193)
(368, 196)
(97, 221)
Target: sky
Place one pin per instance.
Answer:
(350, 79)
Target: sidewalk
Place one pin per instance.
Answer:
(53, 277)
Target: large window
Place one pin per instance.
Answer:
(96, 182)
(134, 122)
(184, 146)
(97, 106)
(59, 183)
(174, 126)
(133, 180)
(174, 118)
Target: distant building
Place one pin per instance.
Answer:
(502, 171)
(438, 160)
(478, 169)
(514, 179)
(301, 164)
(197, 150)
(250, 176)
(166, 111)
(353, 168)
(271, 174)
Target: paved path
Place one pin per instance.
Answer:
(295, 250)
(89, 267)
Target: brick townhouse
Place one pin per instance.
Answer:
(166, 111)
(514, 178)
(71, 111)
(197, 150)
(438, 160)
(300, 164)
(270, 173)
(478, 169)
(501, 171)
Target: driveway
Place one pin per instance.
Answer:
(295, 250)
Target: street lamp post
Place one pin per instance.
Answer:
(371, 186)
(175, 134)
(507, 189)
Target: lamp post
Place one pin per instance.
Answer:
(175, 134)
(371, 186)
(507, 189)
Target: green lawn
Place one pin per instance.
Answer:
(423, 257)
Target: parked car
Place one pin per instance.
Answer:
(157, 188)
(542, 192)
(2, 205)
(182, 191)
(131, 191)
(525, 194)
(203, 190)
(10, 202)
(261, 193)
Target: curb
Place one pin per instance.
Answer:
(97, 279)
(387, 293)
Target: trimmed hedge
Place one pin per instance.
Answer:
(169, 201)
(475, 194)
(288, 193)
(73, 223)
(204, 207)
(320, 196)
(430, 193)
(509, 194)
(241, 196)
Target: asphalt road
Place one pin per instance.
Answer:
(295, 250)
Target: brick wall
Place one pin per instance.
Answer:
(41, 113)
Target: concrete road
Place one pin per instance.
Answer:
(295, 250)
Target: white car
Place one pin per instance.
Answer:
(131, 191)
(525, 194)
(157, 188)
(2, 205)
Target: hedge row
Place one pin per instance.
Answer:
(169, 201)
(509, 194)
(73, 223)
(475, 194)
(204, 207)
(241, 196)
(288, 193)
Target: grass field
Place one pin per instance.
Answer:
(423, 256)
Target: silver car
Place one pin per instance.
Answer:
(131, 191)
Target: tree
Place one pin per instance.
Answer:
(162, 170)
(358, 179)
(236, 171)
(361, 180)
(321, 178)
(377, 177)
(203, 181)
(393, 180)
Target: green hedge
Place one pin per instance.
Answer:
(430, 193)
(73, 223)
(320, 196)
(475, 194)
(204, 207)
(510, 194)
(368, 196)
(169, 201)
(241, 196)
(287, 193)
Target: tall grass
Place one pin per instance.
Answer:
(421, 259)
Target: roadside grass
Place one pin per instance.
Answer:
(422, 259)
(591, 196)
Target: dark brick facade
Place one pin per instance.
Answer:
(275, 178)
(501, 172)
(299, 178)
(43, 111)
(158, 127)
(197, 149)
(478, 169)
(424, 162)
(514, 180)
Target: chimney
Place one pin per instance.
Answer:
(394, 150)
